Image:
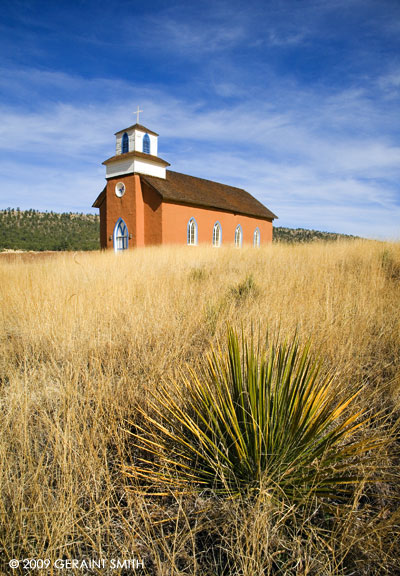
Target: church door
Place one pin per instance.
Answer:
(120, 236)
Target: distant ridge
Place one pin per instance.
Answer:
(302, 236)
(39, 231)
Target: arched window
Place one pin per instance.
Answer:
(217, 235)
(238, 236)
(256, 238)
(125, 143)
(192, 232)
(120, 236)
(146, 144)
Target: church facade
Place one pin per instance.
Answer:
(145, 204)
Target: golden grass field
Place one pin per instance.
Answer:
(86, 336)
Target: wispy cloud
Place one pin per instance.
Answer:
(306, 172)
(285, 99)
(198, 39)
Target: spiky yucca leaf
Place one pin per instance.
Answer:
(249, 419)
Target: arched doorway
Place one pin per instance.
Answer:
(121, 237)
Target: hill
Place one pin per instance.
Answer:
(301, 235)
(34, 230)
(39, 231)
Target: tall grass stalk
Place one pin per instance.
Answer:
(85, 337)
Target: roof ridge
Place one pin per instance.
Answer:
(137, 127)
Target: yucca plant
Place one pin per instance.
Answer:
(252, 418)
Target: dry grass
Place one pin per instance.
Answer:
(84, 336)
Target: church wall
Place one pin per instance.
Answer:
(131, 138)
(139, 135)
(151, 221)
(119, 168)
(139, 212)
(125, 167)
(175, 218)
(103, 223)
(136, 142)
(152, 216)
(124, 207)
(150, 168)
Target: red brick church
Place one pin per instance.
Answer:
(144, 204)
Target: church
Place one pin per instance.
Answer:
(144, 203)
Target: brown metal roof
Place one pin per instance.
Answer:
(137, 154)
(137, 127)
(184, 189)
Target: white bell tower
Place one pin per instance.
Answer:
(136, 151)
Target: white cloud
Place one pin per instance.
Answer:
(50, 187)
(311, 170)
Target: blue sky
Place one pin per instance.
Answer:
(298, 102)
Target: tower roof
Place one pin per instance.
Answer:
(137, 127)
(136, 154)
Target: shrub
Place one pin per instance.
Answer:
(244, 289)
(250, 419)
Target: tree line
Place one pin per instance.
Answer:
(301, 235)
(38, 231)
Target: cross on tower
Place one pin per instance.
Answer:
(137, 114)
